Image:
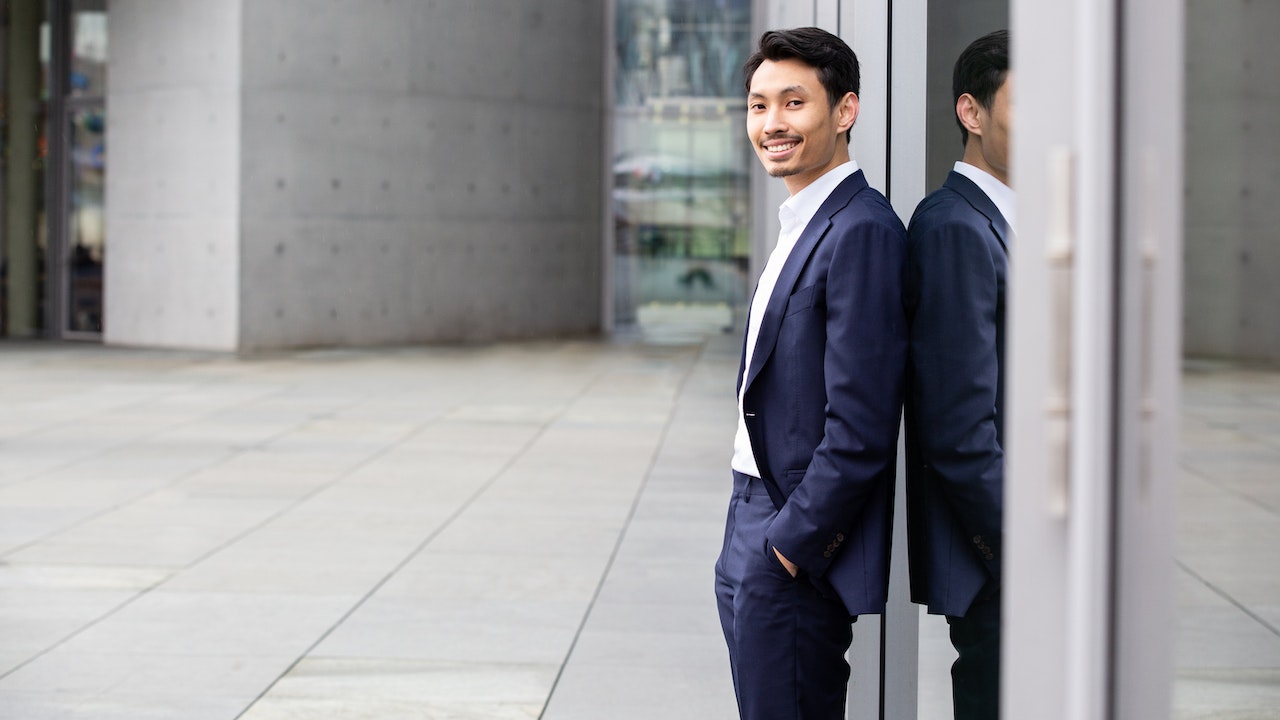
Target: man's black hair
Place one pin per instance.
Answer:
(835, 61)
(980, 71)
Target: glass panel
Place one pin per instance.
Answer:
(1227, 655)
(952, 26)
(88, 66)
(22, 118)
(680, 162)
(86, 140)
(85, 220)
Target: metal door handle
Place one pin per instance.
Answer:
(1060, 250)
(1150, 262)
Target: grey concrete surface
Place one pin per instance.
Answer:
(501, 532)
(1230, 251)
(352, 173)
(1228, 570)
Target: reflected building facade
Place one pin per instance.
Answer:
(680, 162)
(54, 87)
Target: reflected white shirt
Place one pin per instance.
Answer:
(794, 216)
(999, 193)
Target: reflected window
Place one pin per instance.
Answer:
(680, 164)
(86, 120)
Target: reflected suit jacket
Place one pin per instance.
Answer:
(958, 262)
(823, 396)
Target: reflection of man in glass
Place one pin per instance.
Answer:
(958, 248)
(820, 393)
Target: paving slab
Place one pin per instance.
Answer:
(521, 531)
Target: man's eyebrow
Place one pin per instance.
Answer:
(797, 89)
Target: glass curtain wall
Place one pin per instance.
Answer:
(53, 120)
(23, 120)
(680, 163)
(86, 126)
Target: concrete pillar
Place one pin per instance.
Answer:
(293, 173)
(22, 181)
(421, 171)
(173, 178)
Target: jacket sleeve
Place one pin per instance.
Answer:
(955, 363)
(863, 367)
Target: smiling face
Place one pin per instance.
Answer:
(796, 132)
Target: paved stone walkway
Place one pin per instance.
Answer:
(416, 533)
(1228, 546)
(507, 532)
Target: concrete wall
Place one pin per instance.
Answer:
(293, 173)
(418, 170)
(1232, 245)
(173, 179)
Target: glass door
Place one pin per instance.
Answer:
(83, 242)
(1094, 359)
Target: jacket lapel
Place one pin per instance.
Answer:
(767, 338)
(972, 194)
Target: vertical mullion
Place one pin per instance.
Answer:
(905, 91)
(1034, 609)
(608, 119)
(57, 178)
(1150, 221)
(826, 15)
(869, 37)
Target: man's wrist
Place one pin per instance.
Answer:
(790, 566)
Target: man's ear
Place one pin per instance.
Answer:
(968, 111)
(846, 112)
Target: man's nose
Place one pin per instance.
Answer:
(774, 122)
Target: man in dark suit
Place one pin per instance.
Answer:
(820, 391)
(958, 244)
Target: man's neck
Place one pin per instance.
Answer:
(796, 183)
(973, 156)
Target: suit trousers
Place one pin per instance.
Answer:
(975, 675)
(787, 642)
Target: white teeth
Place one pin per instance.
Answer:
(780, 148)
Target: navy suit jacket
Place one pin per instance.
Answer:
(958, 260)
(823, 396)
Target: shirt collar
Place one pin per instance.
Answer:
(999, 193)
(800, 208)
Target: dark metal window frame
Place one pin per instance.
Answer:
(58, 174)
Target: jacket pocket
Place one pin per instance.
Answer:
(792, 478)
(800, 300)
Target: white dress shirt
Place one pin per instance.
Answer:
(999, 193)
(794, 216)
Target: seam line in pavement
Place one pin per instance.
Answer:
(444, 525)
(1223, 594)
(231, 541)
(1234, 492)
(626, 525)
(236, 451)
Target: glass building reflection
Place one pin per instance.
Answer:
(680, 197)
